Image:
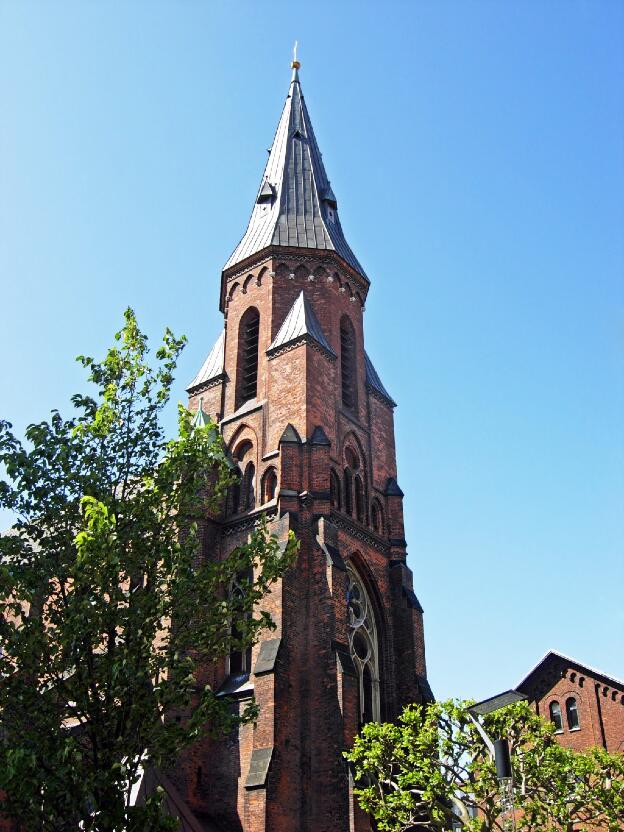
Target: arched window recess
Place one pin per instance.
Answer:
(348, 363)
(555, 716)
(572, 714)
(269, 485)
(239, 658)
(247, 361)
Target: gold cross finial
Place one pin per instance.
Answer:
(295, 63)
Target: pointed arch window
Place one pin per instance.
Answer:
(377, 519)
(348, 363)
(359, 499)
(249, 488)
(247, 362)
(572, 714)
(364, 648)
(555, 716)
(269, 485)
(239, 658)
(241, 495)
(348, 491)
(334, 490)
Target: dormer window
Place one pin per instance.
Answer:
(267, 193)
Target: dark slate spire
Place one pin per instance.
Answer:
(296, 205)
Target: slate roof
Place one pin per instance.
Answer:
(296, 205)
(374, 382)
(300, 322)
(212, 366)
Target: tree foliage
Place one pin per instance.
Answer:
(432, 768)
(108, 606)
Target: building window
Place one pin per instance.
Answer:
(334, 490)
(572, 714)
(555, 716)
(359, 499)
(348, 491)
(269, 485)
(377, 519)
(242, 491)
(249, 488)
(239, 659)
(348, 364)
(247, 364)
(364, 648)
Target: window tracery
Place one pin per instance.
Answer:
(364, 648)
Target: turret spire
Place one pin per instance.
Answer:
(295, 206)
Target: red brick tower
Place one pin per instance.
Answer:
(310, 425)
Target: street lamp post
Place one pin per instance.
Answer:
(499, 749)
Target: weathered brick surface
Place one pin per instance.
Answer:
(309, 702)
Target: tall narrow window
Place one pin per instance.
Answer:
(572, 714)
(334, 490)
(555, 716)
(239, 660)
(269, 485)
(348, 363)
(348, 491)
(249, 487)
(377, 520)
(364, 648)
(247, 365)
(359, 499)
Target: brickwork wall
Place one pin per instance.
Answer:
(309, 700)
(600, 708)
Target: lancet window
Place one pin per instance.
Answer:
(364, 648)
(239, 659)
(348, 363)
(269, 485)
(377, 518)
(242, 495)
(334, 490)
(247, 364)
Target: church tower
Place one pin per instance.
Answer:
(309, 423)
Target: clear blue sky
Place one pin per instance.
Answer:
(477, 153)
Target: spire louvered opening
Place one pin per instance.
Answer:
(248, 333)
(348, 365)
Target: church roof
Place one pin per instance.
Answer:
(213, 365)
(374, 382)
(296, 205)
(299, 323)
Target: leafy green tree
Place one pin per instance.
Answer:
(108, 604)
(432, 768)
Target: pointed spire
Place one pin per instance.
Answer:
(212, 368)
(201, 418)
(300, 323)
(296, 206)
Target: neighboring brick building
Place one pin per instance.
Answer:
(310, 425)
(586, 706)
